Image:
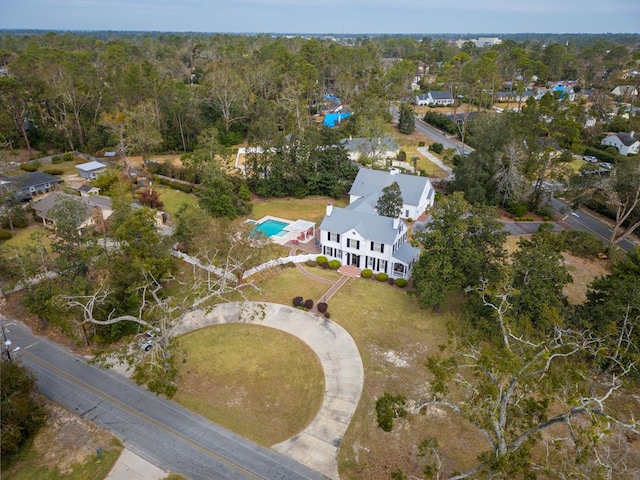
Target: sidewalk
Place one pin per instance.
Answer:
(130, 466)
(432, 158)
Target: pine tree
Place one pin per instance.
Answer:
(407, 119)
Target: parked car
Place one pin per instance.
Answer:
(606, 165)
(146, 341)
(590, 158)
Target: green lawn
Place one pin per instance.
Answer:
(24, 237)
(261, 383)
(310, 208)
(282, 287)
(27, 465)
(174, 199)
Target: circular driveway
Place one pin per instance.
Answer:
(317, 445)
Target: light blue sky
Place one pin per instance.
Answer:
(326, 16)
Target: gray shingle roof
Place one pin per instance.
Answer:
(626, 138)
(33, 179)
(440, 95)
(371, 226)
(370, 182)
(90, 166)
(361, 144)
(43, 206)
(406, 253)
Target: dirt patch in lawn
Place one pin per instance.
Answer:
(583, 271)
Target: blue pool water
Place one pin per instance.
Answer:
(271, 228)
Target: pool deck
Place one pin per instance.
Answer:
(296, 232)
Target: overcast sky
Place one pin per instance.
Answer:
(326, 16)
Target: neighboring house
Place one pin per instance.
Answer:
(97, 209)
(626, 91)
(32, 183)
(626, 143)
(434, 97)
(356, 235)
(91, 170)
(379, 147)
(88, 190)
(521, 97)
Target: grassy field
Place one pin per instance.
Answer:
(259, 382)
(26, 237)
(174, 199)
(394, 337)
(310, 208)
(285, 283)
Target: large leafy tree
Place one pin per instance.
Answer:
(406, 119)
(390, 202)
(20, 413)
(613, 308)
(462, 245)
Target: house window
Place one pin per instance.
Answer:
(406, 213)
(353, 243)
(333, 237)
(398, 268)
(32, 189)
(328, 251)
(370, 261)
(377, 247)
(382, 266)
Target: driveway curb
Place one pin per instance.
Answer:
(317, 445)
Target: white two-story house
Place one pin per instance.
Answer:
(356, 235)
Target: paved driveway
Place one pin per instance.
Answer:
(317, 445)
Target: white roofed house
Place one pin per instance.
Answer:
(626, 143)
(356, 235)
(377, 148)
(91, 170)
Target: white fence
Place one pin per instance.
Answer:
(280, 261)
(220, 272)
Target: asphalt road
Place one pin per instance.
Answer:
(158, 430)
(582, 220)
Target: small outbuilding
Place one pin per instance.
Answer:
(91, 170)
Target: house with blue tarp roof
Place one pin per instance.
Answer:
(334, 119)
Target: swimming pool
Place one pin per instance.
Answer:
(271, 228)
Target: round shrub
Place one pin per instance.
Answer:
(5, 234)
(322, 307)
(56, 159)
(28, 167)
(68, 157)
(382, 277)
(324, 265)
(391, 281)
(308, 304)
(311, 263)
(334, 264)
(53, 171)
(401, 282)
(437, 147)
(327, 315)
(366, 273)
(409, 220)
(321, 259)
(297, 301)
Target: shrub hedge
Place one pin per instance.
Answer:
(382, 277)
(327, 315)
(334, 264)
(322, 307)
(366, 273)
(321, 259)
(401, 282)
(311, 263)
(308, 304)
(5, 234)
(28, 167)
(297, 301)
(53, 171)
